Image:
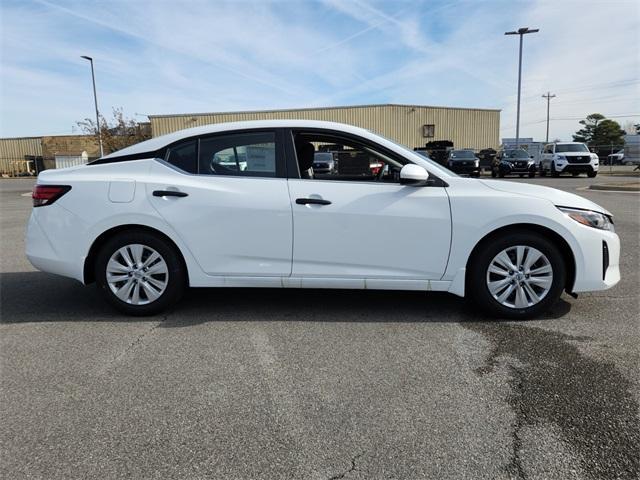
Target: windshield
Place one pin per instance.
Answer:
(516, 154)
(323, 157)
(571, 147)
(462, 155)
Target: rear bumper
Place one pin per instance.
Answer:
(61, 257)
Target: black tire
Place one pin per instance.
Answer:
(532, 174)
(521, 175)
(501, 174)
(176, 276)
(554, 172)
(494, 174)
(476, 285)
(543, 172)
(592, 174)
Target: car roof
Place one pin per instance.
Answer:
(157, 143)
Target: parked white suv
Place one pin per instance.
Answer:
(570, 157)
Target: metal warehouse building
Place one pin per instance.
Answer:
(410, 125)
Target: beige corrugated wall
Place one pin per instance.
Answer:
(13, 151)
(466, 127)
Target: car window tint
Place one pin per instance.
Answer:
(243, 154)
(323, 156)
(183, 156)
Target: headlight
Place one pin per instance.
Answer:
(561, 157)
(589, 218)
(477, 163)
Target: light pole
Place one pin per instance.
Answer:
(522, 32)
(548, 96)
(95, 100)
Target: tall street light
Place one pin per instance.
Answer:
(95, 100)
(522, 32)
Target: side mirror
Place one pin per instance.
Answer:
(414, 175)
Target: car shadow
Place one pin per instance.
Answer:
(41, 297)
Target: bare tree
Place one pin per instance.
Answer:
(118, 132)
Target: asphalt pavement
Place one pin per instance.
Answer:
(318, 384)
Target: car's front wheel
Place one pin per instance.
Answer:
(140, 273)
(592, 174)
(518, 276)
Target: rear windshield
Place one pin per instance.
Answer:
(572, 147)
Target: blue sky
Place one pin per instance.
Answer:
(157, 57)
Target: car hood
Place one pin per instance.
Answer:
(557, 197)
(575, 154)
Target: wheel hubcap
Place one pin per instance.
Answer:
(519, 276)
(137, 274)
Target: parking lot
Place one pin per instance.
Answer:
(238, 383)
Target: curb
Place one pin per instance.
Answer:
(614, 188)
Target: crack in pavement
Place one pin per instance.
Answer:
(514, 467)
(555, 384)
(346, 472)
(131, 346)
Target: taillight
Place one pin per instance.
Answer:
(47, 194)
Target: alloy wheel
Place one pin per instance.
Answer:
(137, 274)
(519, 276)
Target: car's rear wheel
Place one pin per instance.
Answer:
(518, 276)
(140, 273)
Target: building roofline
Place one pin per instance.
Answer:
(341, 107)
(36, 137)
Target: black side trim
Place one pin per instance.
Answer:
(605, 259)
(124, 158)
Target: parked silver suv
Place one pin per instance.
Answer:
(323, 162)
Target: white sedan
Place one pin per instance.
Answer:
(238, 205)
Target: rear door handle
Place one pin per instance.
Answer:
(312, 201)
(169, 193)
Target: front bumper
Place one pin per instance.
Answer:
(576, 168)
(599, 269)
(464, 169)
(514, 169)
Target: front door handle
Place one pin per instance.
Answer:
(312, 201)
(169, 193)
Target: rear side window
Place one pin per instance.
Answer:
(184, 156)
(240, 154)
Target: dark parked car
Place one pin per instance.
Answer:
(513, 162)
(464, 162)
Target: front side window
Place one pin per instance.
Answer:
(325, 156)
(239, 154)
